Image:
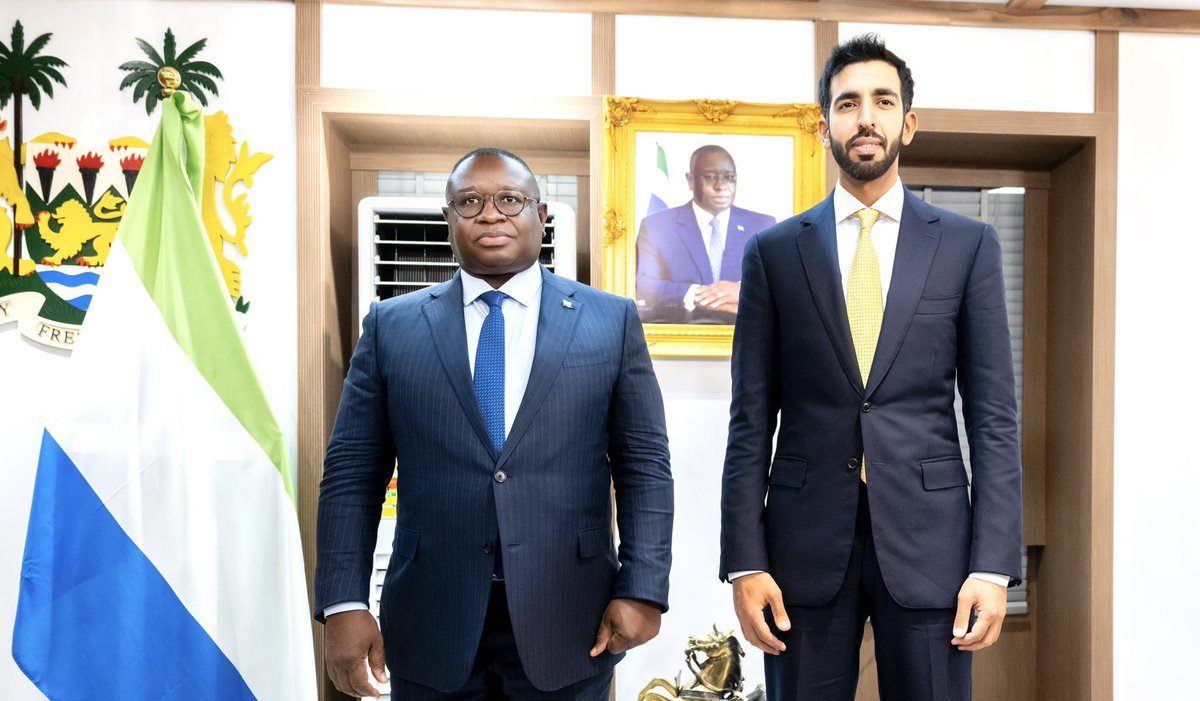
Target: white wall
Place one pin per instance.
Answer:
(460, 52)
(1157, 473)
(687, 58)
(253, 43)
(981, 68)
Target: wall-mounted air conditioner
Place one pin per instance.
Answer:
(403, 246)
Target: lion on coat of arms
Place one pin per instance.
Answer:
(76, 228)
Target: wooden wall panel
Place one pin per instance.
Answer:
(363, 184)
(1033, 426)
(1107, 71)
(825, 38)
(542, 162)
(928, 12)
(604, 53)
(1066, 619)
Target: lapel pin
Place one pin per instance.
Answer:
(568, 304)
(741, 228)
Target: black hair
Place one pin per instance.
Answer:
(704, 150)
(500, 153)
(864, 47)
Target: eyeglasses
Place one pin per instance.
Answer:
(507, 202)
(714, 178)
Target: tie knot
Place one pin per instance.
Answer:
(866, 218)
(493, 298)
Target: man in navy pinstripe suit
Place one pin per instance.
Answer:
(504, 582)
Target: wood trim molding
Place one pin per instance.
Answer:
(1082, 124)
(825, 38)
(542, 162)
(308, 42)
(1103, 381)
(1036, 381)
(1108, 69)
(960, 14)
(973, 177)
(604, 53)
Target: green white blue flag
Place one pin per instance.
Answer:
(163, 555)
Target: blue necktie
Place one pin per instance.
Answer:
(489, 384)
(716, 248)
(489, 368)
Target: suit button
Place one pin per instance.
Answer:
(500, 476)
(487, 549)
(867, 407)
(852, 464)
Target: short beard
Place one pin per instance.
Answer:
(865, 171)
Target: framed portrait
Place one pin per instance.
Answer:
(686, 184)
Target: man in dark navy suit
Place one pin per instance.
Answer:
(689, 258)
(509, 400)
(856, 319)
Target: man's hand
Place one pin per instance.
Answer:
(351, 637)
(721, 296)
(988, 601)
(752, 594)
(626, 624)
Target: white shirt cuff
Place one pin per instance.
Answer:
(1000, 580)
(344, 607)
(742, 573)
(689, 301)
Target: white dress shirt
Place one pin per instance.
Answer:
(704, 221)
(884, 234)
(521, 308)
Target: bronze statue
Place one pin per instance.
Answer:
(717, 676)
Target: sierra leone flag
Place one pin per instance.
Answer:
(163, 558)
(660, 183)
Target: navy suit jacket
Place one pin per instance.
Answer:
(671, 257)
(592, 413)
(794, 366)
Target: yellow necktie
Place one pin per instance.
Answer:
(864, 300)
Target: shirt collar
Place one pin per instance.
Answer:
(890, 205)
(704, 217)
(523, 287)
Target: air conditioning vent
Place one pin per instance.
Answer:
(404, 247)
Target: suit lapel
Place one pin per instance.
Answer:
(818, 253)
(915, 248)
(444, 313)
(556, 324)
(692, 239)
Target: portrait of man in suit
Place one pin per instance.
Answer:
(689, 258)
(857, 318)
(509, 401)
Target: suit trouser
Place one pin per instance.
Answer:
(497, 674)
(913, 654)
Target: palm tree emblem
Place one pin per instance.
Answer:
(24, 72)
(194, 77)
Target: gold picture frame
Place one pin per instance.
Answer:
(753, 133)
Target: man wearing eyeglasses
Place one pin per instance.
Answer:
(509, 400)
(689, 258)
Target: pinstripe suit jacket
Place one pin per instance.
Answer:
(592, 412)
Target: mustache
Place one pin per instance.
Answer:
(867, 134)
